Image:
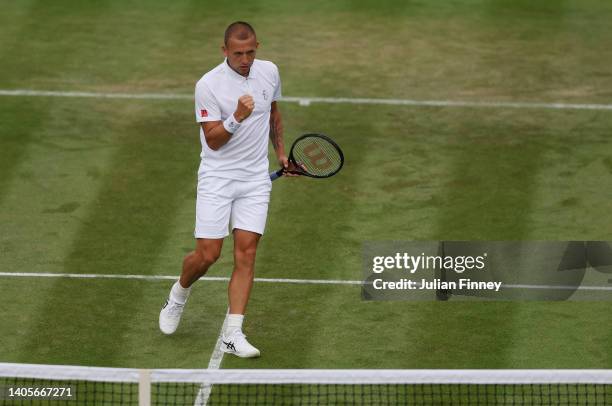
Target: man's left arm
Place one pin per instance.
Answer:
(276, 135)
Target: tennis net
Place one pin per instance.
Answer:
(121, 386)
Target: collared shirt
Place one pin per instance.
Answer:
(245, 155)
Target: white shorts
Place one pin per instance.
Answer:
(219, 201)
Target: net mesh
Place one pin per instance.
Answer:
(81, 392)
(404, 394)
(95, 386)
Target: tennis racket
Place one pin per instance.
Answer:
(313, 155)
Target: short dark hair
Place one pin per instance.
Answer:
(239, 29)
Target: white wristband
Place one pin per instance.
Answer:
(231, 125)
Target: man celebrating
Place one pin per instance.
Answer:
(235, 104)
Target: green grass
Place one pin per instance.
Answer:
(108, 186)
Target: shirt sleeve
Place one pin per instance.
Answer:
(277, 88)
(206, 106)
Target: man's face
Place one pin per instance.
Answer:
(240, 54)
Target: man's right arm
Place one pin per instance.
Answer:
(216, 134)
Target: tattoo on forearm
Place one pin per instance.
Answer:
(276, 135)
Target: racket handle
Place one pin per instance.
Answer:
(276, 175)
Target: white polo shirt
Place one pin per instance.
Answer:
(245, 155)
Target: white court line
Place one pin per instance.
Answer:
(267, 280)
(166, 277)
(305, 101)
(214, 363)
(95, 95)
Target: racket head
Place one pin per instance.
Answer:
(316, 155)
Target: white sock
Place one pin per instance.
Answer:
(179, 294)
(234, 323)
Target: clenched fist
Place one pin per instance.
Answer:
(245, 107)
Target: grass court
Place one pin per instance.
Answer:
(107, 185)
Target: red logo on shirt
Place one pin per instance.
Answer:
(204, 113)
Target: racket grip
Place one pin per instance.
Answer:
(276, 175)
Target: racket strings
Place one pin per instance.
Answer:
(317, 156)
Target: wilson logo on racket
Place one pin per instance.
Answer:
(313, 155)
(317, 157)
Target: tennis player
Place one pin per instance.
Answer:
(236, 106)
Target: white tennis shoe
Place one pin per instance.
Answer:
(170, 316)
(237, 344)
